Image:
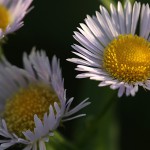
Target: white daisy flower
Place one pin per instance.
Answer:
(11, 14)
(115, 47)
(33, 101)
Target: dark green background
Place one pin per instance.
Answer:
(50, 27)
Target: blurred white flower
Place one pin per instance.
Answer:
(33, 101)
(11, 14)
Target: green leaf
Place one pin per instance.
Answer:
(100, 129)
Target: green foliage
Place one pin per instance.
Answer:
(100, 128)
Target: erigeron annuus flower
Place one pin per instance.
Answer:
(115, 47)
(11, 14)
(33, 101)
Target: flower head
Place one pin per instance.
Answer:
(113, 50)
(11, 14)
(33, 101)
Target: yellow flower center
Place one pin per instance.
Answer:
(5, 18)
(22, 106)
(127, 58)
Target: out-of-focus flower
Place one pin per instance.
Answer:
(113, 50)
(11, 14)
(33, 101)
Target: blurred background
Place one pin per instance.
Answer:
(111, 123)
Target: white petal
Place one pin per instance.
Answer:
(42, 145)
(121, 18)
(121, 90)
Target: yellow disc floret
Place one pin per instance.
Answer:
(127, 58)
(22, 106)
(5, 18)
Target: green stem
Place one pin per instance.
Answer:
(112, 102)
(58, 142)
(107, 3)
(103, 112)
(1, 51)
